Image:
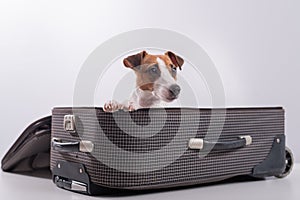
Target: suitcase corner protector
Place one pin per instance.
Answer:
(274, 163)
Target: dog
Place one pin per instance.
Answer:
(156, 77)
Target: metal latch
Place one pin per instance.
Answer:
(70, 184)
(196, 143)
(78, 186)
(69, 123)
(248, 139)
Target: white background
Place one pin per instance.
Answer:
(255, 46)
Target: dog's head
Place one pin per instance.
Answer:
(156, 73)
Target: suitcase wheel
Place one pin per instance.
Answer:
(289, 163)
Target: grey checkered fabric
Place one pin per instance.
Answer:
(149, 148)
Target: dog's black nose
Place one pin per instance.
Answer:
(174, 90)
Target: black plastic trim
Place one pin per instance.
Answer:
(274, 164)
(64, 172)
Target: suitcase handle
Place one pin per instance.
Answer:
(82, 146)
(201, 144)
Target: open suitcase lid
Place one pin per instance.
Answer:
(31, 151)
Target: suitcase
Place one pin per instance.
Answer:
(31, 151)
(94, 152)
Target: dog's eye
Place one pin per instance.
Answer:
(174, 69)
(154, 69)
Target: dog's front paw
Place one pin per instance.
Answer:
(131, 107)
(111, 106)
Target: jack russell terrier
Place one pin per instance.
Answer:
(156, 77)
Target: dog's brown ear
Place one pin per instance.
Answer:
(134, 60)
(176, 60)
